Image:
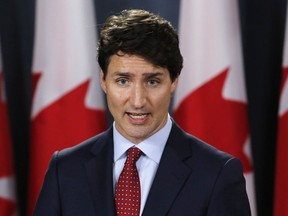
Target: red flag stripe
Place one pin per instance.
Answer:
(281, 186)
(7, 186)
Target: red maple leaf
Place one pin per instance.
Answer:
(281, 187)
(218, 121)
(6, 167)
(64, 123)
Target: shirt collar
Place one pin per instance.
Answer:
(152, 147)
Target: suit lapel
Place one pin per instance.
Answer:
(171, 175)
(99, 171)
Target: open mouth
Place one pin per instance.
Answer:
(138, 115)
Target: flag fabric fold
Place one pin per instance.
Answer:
(210, 101)
(8, 201)
(68, 105)
(281, 177)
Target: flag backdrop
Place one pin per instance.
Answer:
(7, 182)
(281, 183)
(210, 101)
(263, 38)
(68, 105)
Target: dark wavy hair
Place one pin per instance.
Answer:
(139, 32)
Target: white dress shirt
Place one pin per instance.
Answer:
(147, 164)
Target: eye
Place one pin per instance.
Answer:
(153, 82)
(122, 81)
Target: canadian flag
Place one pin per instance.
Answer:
(281, 183)
(210, 101)
(7, 180)
(68, 105)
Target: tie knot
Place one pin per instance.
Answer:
(133, 155)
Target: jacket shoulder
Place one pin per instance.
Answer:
(87, 147)
(198, 150)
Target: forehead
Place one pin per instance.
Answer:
(132, 64)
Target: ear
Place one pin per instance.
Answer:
(103, 81)
(174, 85)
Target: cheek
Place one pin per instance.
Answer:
(116, 98)
(161, 100)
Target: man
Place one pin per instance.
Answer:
(178, 174)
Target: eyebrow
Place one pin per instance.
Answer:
(122, 74)
(153, 74)
(129, 74)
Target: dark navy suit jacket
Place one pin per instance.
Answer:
(193, 178)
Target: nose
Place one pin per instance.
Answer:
(138, 96)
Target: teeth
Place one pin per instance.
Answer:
(138, 116)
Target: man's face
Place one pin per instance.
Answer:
(138, 95)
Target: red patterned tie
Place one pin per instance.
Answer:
(128, 193)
